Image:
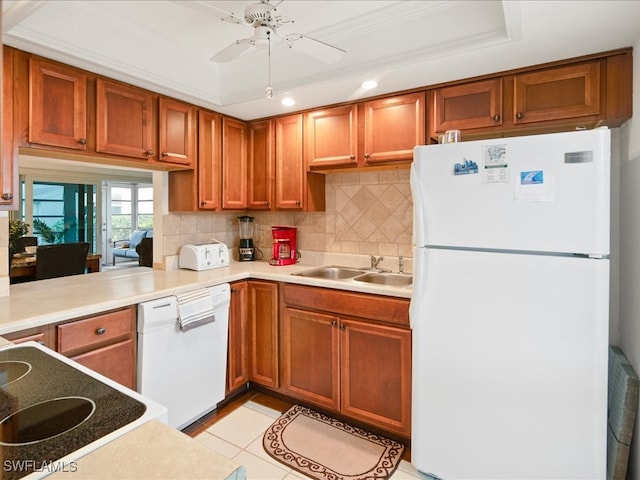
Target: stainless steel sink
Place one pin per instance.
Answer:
(380, 278)
(331, 272)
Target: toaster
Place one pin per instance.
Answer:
(204, 256)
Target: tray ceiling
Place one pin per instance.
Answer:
(165, 45)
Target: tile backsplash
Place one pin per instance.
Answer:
(366, 213)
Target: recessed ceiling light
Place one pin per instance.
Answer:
(288, 102)
(369, 84)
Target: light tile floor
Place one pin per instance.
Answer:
(239, 436)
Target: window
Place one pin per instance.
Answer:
(131, 208)
(60, 212)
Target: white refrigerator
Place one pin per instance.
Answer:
(510, 307)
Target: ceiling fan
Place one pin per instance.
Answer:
(265, 20)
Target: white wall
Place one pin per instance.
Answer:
(629, 272)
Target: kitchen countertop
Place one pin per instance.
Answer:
(153, 451)
(44, 302)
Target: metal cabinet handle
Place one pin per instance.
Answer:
(7, 196)
(101, 331)
(333, 323)
(82, 141)
(496, 117)
(176, 155)
(149, 153)
(342, 326)
(298, 202)
(366, 155)
(352, 157)
(519, 115)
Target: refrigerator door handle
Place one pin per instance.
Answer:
(419, 239)
(416, 305)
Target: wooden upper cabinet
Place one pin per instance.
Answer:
(57, 105)
(9, 155)
(557, 93)
(177, 142)
(260, 165)
(392, 127)
(124, 120)
(331, 137)
(290, 171)
(234, 164)
(209, 159)
(467, 106)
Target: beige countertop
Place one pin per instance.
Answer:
(153, 451)
(44, 302)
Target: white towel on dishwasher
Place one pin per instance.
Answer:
(195, 308)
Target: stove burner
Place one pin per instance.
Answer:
(45, 420)
(12, 371)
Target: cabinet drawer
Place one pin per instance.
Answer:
(83, 334)
(373, 307)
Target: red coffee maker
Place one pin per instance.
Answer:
(284, 246)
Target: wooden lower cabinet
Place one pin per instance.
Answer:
(238, 350)
(311, 357)
(375, 380)
(263, 333)
(353, 365)
(43, 335)
(116, 362)
(105, 343)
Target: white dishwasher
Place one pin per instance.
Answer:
(183, 369)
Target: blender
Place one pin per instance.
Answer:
(247, 230)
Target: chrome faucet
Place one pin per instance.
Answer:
(375, 261)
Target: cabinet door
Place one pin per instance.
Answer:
(331, 137)
(238, 350)
(234, 164)
(209, 159)
(260, 172)
(290, 185)
(311, 357)
(263, 315)
(557, 93)
(124, 120)
(376, 358)
(177, 137)
(8, 154)
(115, 361)
(392, 127)
(57, 105)
(468, 106)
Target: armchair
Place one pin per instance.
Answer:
(127, 248)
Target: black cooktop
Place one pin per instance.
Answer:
(49, 409)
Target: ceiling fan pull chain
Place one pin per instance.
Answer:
(269, 90)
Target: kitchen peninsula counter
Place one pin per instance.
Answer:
(153, 451)
(44, 302)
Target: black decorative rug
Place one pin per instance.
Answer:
(327, 449)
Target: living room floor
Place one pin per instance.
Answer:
(235, 431)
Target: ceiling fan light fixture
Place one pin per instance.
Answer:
(269, 93)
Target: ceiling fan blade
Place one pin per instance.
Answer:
(232, 51)
(314, 48)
